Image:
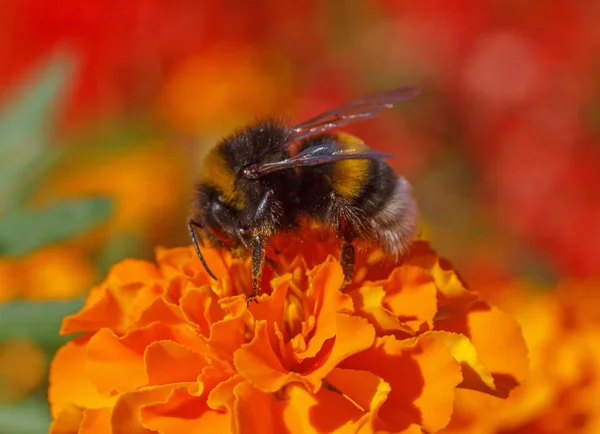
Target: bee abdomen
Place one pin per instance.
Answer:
(376, 189)
(349, 176)
(394, 225)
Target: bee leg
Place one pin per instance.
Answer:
(243, 237)
(265, 205)
(246, 242)
(247, 245)
(347, 233)
(259, 220)
(258, 260)
(191, 226)
(347, 260)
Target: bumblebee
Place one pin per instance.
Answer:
(269, 177)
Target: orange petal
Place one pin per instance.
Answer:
(183, 260)
(221, 397)
(160, 310)
(136, 299)
(66, 420)
(365, 389)
(368, 302)
(257, 362)
(129, 288)
(126, 414)
(169, 362)
(171, 261)
(498, 341)
(116, 364)
(228, 334)
(96, 421)
(271, 309)
(325, 288)
(200, 307)
(270, 306)
(422, 374)
(113, 366)
(69, 382)
(184, 411)
(132, 271)
(213, 375)
(256, 411)
(102, 312)
(324, 412)
(452, 293)
(476, 376)
(175, 288)
(411, 296)
(234, 306)
(353, 335)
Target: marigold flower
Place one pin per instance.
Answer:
(562, 392)
(166, 349)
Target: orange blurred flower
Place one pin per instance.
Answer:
(22, 369)
(562, 392)
(9, 278)
(148, 183)
(58, 272)
(223, 88)
(166, 349)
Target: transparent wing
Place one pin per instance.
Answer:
(324, 153)
(355, 111)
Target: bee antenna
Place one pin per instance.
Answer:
(191, 224)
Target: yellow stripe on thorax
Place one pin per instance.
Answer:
(219, 174)
(349, 175)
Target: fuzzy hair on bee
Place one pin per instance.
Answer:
(269, 177)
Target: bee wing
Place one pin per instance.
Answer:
(355, 111)
(315, 155)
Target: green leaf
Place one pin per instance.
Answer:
(25, 129)
(28, 417)
(26, 230)
(38, 321)
(31, 178)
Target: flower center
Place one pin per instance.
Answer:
(293, 317)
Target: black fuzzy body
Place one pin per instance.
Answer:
(296, 194)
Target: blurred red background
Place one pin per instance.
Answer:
(502, 146)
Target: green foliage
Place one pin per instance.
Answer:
(38, 321)
(25, 230)
(26, 156)
(29, 417)
(25, 131)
